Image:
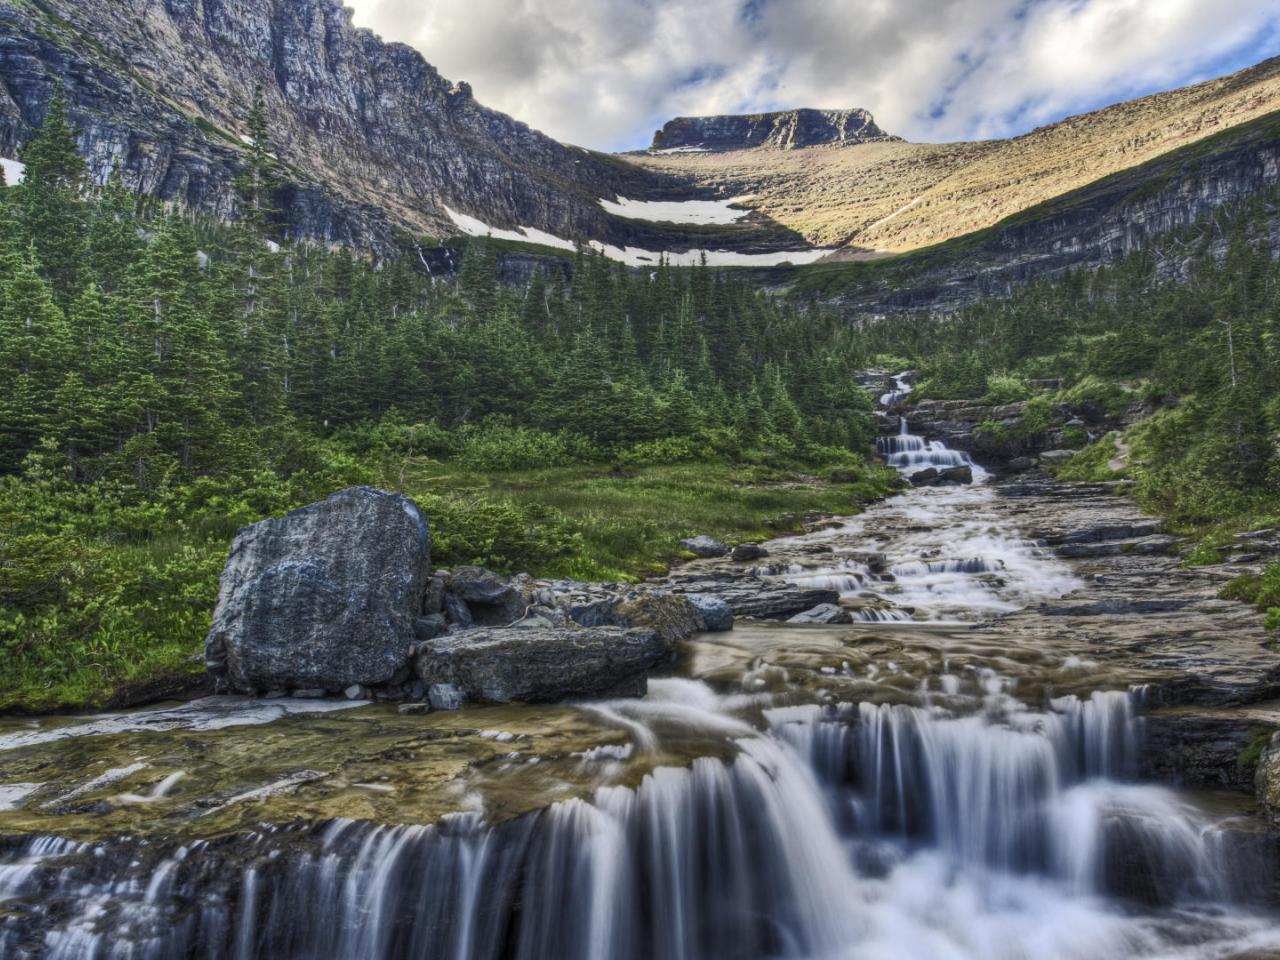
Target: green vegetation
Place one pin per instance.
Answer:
(169, 381)
(1263, 591)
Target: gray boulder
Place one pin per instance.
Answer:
(929, 477)
(496, 665)
(717, 616)
(823, 613)
(746, 552)
(705, 547)
(324, 598)
(961, 475)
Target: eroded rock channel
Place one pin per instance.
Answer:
(980, 720)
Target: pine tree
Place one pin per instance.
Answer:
(51, 200)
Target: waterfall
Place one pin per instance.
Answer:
(762, 855)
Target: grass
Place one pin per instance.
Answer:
(100, 616)
(630, 522)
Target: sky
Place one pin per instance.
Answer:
(606, 73)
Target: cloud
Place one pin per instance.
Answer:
(606, 73)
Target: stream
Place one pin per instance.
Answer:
(963, 772)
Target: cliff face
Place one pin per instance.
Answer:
(374, 140)
(785, 130)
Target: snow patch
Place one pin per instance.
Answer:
(635, 256)
(14, 171)
(473, 227)
(678, 211)
(672, 150)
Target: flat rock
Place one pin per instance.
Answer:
(823, 613)
(497, 665)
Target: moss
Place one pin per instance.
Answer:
(1247, 761)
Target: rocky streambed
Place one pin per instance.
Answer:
(985, 720)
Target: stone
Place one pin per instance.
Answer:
(1055, 458)
(1020, 464)
(492, 599)
(823, 613)
(961, 475)
(717, 616)
(704, 547)
(429, 627)
(413, 709)
(673, 616)
(322, 598)
(433, 599)
(504, 665)
(456, 611)
(445, 696)
(746, 552)
(929, 477)
(356, 692)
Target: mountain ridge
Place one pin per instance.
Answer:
(782, 129)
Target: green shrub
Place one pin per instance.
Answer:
(497, 447)
(1002, 389)
(1113, 397)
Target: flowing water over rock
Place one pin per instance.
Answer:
(925, 783)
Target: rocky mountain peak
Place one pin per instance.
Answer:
(785, 130)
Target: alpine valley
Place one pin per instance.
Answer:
(421, 538)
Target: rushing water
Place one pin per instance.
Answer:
(957, 822)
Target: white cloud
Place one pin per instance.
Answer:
(605, 73)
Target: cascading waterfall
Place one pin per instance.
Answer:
(796, 848)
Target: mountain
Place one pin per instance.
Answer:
(788, 129)
(891, 196)
(376, 146)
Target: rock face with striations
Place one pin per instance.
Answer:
(785, 130)
(373, 139)
(324, 598)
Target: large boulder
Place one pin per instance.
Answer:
(324, 598)
(507, 665)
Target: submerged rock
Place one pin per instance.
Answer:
(323, 598)
(538, 665)
(929, 477)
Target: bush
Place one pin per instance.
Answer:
(1003, 389)
(665, 450)
(1092, 390)
(499, 447)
